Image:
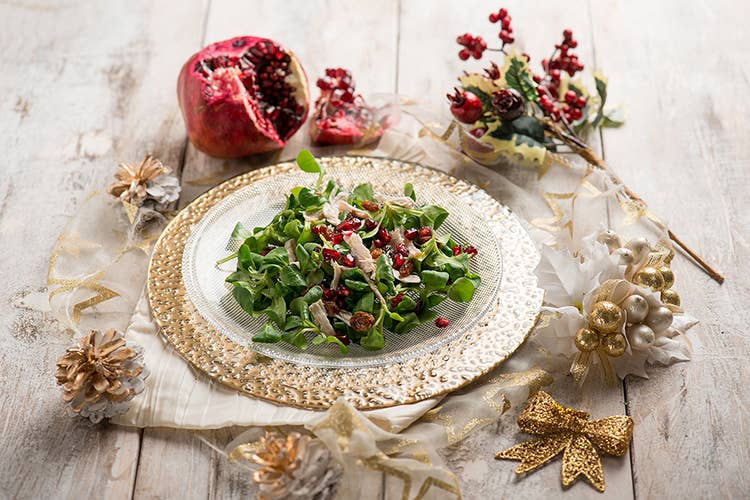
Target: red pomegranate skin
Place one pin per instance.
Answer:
(228, 123)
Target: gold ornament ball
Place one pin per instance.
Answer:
(668, 275)
(614, 345)
(587, 340)
(649, 277)
(606, 317)
(670, 297)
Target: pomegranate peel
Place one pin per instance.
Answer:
(242, 96)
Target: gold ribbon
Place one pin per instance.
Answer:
(571, 432)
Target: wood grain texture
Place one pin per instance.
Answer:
(684, 149)
(83, 86)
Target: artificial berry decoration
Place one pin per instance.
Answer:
(508, 104)
(473, 46)
(465, 106)
(506, 29)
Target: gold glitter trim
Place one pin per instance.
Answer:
(500, 331)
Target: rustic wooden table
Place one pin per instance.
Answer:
(86, 84)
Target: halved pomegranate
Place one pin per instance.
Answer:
(341, 116)
(242, 96)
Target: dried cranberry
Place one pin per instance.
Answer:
(411, 234)
(470, 250)
(375, 253)
(370, 224)
(442, 322)
(343, 291)
(384, 235)
(398, 260)
(370, 206)
(456, 250)
(378, 243)
(329, 294)
(406, 269)
(348, 260)
(395, 301)
(425, 233)
(331, 254)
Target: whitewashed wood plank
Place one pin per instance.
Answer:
(682, 72)
(428, 67)
(83, 85)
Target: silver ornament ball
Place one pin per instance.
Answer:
(640, 336)
(636, 308)
(659, 319)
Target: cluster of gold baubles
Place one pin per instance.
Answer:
(643, 319)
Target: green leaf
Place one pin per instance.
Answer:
(462, 290)
(406, 305)
(601, 88)
(333, 340)
(435, 279)
(296, 338)
(244, 298)
(240, 232)
(409, 191)
(313, 295)
(307, 162)
(290, 276)
(357, 286)
(384, 272)
(308, 199)
(363, 192)
(409, 322)
(366, 303)
(293, 228)
(434, 298)
(268, 334)
(518, 76)
(303, 257)
(433, 215)
(373, 341)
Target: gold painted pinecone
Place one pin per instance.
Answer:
(132, 180)
(295, 467)
(101, 374)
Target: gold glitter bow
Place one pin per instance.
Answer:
(570, 431)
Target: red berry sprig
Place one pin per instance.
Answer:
(473, 46)
(506, 30)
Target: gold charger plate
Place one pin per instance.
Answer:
(493, 334)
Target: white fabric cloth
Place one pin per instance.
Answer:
(177, 395)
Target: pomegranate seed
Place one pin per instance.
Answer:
(378, 243)
(425, 233)
(402, 250)
(470, 250)
(442, 322)
(329, 294)
(343, 291)
(370, 224)
(411, 234)
(331, 254)
(456, 250)
(348, 260)
(341, 303)
(395, 301)
(315, 229)
(344, 339)
(337, 238)
(349, 224)
(398, 260)
(384, 235)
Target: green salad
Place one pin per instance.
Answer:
(339, 267)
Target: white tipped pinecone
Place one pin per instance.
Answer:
(295, 467)
(101, 375)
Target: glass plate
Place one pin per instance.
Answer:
(255, 205)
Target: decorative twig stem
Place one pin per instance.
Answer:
(588, 154)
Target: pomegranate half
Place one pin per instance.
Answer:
(242, 96)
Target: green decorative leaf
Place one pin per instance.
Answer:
(614, 117)
(601, 88)
(518, 76)
(307, 162)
